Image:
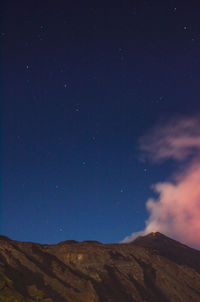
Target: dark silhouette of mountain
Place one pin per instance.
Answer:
(152, 268)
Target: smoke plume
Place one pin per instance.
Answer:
(176, 211)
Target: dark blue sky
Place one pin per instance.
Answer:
(82, 82)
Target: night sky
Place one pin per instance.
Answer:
(82, 82)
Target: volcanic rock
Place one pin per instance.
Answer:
(153, 268)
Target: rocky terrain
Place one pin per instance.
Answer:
(153, 268)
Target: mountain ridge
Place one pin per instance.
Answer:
(153, 268)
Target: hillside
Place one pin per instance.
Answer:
(153, 268)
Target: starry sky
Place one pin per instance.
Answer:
(82, 81)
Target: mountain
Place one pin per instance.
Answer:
(152, 268)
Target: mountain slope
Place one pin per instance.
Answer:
(153, 268)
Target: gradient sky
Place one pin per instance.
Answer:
(82, 82)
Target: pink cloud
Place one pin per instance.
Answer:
(178, 139)
(176, 211)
